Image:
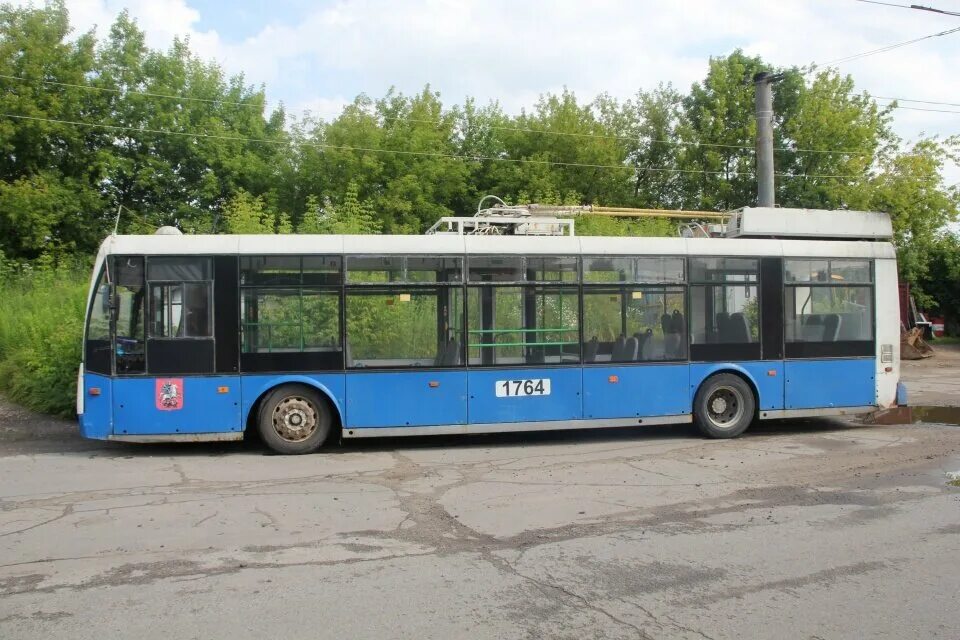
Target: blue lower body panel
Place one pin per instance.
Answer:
(408, 398)
(815, 384)
(563, 403)
(172, 405)
(636, 390)
(97, 418)
(767, 376)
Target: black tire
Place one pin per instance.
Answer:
(294, 419)
(724, 406)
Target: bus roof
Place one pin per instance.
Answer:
(295, 244)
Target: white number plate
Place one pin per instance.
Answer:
(511, 388)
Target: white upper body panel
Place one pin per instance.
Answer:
(449, 244)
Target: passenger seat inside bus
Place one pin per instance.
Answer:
(625, 349)
(722, 330)
(831, 327)
(591, 349)
(822, 327)
(738, 329)
(449, 356)
(644, 345)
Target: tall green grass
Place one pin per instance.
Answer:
(41, 328)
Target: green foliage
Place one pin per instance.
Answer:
(910, 188)
(597, 225)
(245, 213)
(939, 288)
(352, 216)
(41, 324)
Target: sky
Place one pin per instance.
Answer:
(317, 55)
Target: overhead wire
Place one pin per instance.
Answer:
(918, 7)
(891, 47)
(575, 134)
(150, 94)
(924, 109)
(404, 152)
(935, 102)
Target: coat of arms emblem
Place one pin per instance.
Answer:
(169, 394)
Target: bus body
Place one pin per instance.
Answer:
(198, 338)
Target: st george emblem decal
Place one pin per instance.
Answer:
(169, 394)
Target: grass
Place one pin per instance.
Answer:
(944, 340)
(41, 328)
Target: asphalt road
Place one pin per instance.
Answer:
(812, 529)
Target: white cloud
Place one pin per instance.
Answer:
(322, 108)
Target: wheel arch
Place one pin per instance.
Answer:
(736, 370)
(261, 391)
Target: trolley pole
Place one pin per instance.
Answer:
(763, 84)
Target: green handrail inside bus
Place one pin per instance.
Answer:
(499, 331)
(524, 344)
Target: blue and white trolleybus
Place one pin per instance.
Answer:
(200, 338)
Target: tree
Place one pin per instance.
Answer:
(653, 121)
(245, 213)
(352, 216)
(718, 135)
(939, 288)
(48, 169)
(830, 144)
(909, 186)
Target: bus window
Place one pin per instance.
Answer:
(435, 269)
(290, 313)
(724, 269)
(129, 319)
(290, 320)
(180, 297)
(724, 307)
(510, 325)
(180, 310)
(827, 301)
(496, 269)
(178, 269)
(270, 270)
(634, 324)
(404, 327)
(375, 269)
(97, 348)
(646, 270)
(551, 269)
(413, 269)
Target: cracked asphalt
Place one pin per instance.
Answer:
(803, 529)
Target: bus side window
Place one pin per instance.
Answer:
(97, 347)
(180, 311)
(129, 317)
(180, 297)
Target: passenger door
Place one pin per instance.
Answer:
(523, 341)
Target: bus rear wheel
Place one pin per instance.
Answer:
(724, 406)
(294, 419)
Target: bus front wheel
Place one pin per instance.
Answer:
(294, 419)
(724, 406)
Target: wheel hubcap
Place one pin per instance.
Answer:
(725, 407)
(295, 419)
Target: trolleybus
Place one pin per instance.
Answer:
(303, 338)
